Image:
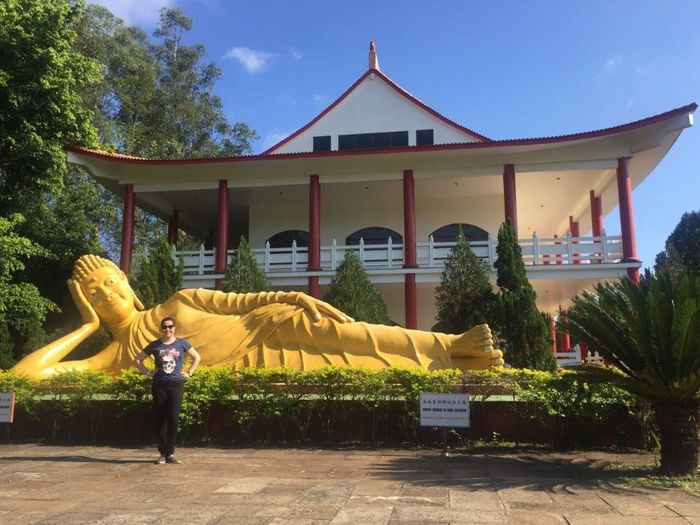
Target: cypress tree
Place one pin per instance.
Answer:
(352, 292)
(520, 325)
(157, 275)
(243, 275)
(464, 296)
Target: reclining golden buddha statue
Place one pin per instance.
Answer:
(266, 329)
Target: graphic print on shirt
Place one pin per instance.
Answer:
(168, 360)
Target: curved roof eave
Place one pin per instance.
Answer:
(538, 141)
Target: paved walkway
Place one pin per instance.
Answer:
(105, 485)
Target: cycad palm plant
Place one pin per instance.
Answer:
(650, 331)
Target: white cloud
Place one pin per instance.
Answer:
(254, 61)
(134, 12)
(609, 68)
(320, 99)
(273, 138)
(296, 54)
(286, 100)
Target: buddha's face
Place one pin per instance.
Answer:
(109, 293)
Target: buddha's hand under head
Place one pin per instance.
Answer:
(319, 309)
(86, 310)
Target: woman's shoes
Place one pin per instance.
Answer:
(172, 459)
(160, 461)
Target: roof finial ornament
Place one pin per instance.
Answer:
(373, 60)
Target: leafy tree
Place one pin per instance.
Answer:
(526, 342)
(352, 292)
(20, 302)
(41, 76)
(682, 246)
(651, 333)
(464, 295)
(157, 276)
(6, 347)
(243, 275)
(155, 100)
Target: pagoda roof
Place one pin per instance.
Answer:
(483, 143)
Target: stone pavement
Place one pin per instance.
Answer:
(105, 485)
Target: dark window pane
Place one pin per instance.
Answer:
(449, 233)
(424, 137)
(399, 138)
(382, 140)
(373, 235)
(347, 141)
(284, 239)
(322, 143)
(390, 139)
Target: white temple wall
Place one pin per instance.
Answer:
(341, 219)
(374, 107)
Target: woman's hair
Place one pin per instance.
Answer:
(89, 263)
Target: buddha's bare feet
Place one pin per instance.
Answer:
(476, 342)
(493, 360)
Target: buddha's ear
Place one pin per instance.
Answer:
(137, 302)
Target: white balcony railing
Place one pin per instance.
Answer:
(536, 251)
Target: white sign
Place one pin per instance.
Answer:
(444, 410)
(7, 407)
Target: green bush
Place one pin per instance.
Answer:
(287, 403)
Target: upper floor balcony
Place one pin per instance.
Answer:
(595, 257)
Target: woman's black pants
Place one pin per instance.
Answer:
(167, 399)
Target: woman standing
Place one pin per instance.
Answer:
(168, 383)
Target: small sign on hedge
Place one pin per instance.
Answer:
(444, 410)
(7, 407)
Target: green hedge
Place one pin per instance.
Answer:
(283, 398)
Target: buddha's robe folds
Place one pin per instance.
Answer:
(259, 330)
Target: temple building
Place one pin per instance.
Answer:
(382, 173)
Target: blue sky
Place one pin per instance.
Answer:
(506, 69)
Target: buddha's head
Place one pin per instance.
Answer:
(106, 288)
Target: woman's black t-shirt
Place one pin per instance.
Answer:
(170, 358)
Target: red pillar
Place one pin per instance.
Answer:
(314, 234)
(565, 339)
(575, 232)
(584, 350)
(511, 206)
(221, 230)
(127, 229)
(597, 219)
(172, 227)
(624, 195)
(409, 244)
(596, 215)
(553, 334)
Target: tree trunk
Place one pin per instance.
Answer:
(677, 421)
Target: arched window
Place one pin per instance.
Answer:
(284, 239)
(449, 233)
(373, 235)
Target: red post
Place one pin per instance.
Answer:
(510, 203)
(127, 229)
(624, 195)
(596, 215)
(221, 230)
(314, 234)
(411, 301)
(584, 350)
(565, 339)
(172, 227)
(597, 219)
(409, 244)
(575, 232)
(553, 334)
